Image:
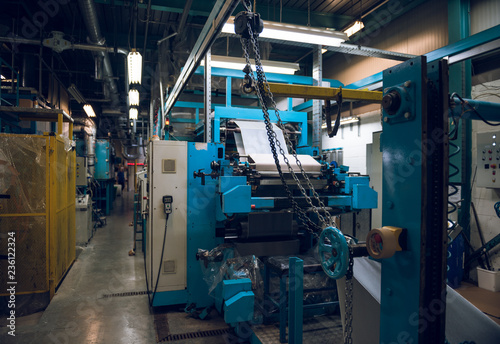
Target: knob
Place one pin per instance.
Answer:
(391, 102)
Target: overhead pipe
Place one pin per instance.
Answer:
(88, 47)
(183, 20)
(89, 14)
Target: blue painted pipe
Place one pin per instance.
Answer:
(475, 109)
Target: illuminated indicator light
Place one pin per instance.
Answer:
(494, 137)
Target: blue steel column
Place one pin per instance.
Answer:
(317, 74)
(228, 91)
(401, 144)
(208, 96)
(295, 300)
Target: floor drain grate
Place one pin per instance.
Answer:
(130, 293)
(192, 335)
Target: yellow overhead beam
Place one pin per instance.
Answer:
(317, 92)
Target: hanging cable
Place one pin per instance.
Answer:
(464, 103)
(454, 170)
(151, 301)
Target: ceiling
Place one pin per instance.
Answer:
(126, 24)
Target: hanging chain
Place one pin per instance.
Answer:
(264, 94)
(263, 90)
(348, 299)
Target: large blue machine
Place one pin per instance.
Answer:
(221, 196)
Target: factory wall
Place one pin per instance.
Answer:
(353, 138)
(423, 29)
(483, 15)
(485, 198)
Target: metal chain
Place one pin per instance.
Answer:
(262, 91)
(271, 135)
(348, 299)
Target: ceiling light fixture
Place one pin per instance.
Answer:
(133, 113)
(355, 27)
(89, 110)
(76, 94)
(295, 33)
(133, 97)
(347, 120)
(240, 63)
(134, 60)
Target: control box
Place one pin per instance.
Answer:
(488, 160)
(81, 171)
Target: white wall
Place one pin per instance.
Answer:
(483, 198)
(354, 141)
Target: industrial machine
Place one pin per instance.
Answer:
(104, 175)
(83, 219)
(230, 192)
(255, 192)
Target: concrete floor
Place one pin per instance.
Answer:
(78, 313)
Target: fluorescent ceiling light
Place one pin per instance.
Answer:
(355, 27)
(295, 33)
(133, 97)
(134, 60)
(240, 63)
(3, 78)
(343, 121)
(89, 110)
(76, 94)
(133, 113)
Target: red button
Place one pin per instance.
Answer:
(494, 172)
(252, 206)
(490, 157)
(489, 151)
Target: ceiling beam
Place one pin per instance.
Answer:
(203, 8)
(220, 14)
(175, 6)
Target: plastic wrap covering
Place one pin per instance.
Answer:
(42, 220)
(22, 174)
(212, 263)
(220, 264)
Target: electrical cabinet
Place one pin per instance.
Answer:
(81, 171)
(168, 176)
(488, 159)
(83, 219)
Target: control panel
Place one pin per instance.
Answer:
(488, 160)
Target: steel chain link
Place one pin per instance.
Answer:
(348, 298)
(263, 90)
